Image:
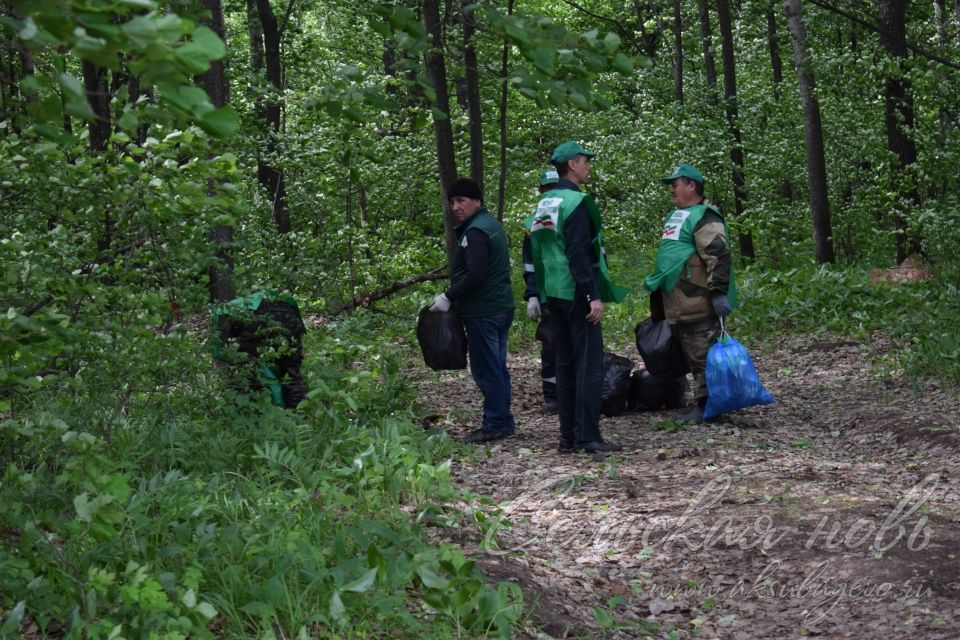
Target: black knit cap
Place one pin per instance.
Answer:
(465, 187)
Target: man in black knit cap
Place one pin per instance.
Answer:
(481, 294)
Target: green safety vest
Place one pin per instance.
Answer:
(495, 295)
(550, 264)
(676, 247)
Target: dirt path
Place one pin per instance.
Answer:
(832, 513)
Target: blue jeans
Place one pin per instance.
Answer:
(579, 370)
(487, 346)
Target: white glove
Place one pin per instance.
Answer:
(533, 307)
(440, 303)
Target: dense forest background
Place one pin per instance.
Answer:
(159, 157)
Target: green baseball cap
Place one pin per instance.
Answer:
(684, 170)
(568, 150)
(549, 176)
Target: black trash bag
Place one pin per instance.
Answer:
(442, 339)
(660, 349)
(616, 384)
(548, 329)
(652, 393)
(268, 342)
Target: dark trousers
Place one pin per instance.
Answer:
(548, 372)
(579, 370)
(696, 338)
(487, 346)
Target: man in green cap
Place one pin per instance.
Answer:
(571, 272)
(692, 279)
(548, 353)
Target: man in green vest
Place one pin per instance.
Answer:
(481, 294)
(571, 271)
(693, 276)
(548, 354)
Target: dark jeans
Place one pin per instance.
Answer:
(487, 347)
(579, 370)
(548, 372)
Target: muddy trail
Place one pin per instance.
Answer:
(833, 513)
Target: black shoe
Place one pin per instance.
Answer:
(482, 435)
(551, 405)
(693, 415)
(566, 446)
(600, 446)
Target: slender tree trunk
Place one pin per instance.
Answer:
(221, 236)
(504, 69)
(95, 83)
(898, 109)
(775, 61)
(939, 8)
(813, 136)
(730, 98)
(271, 176)
(471, 72)
(677, 52)
(443, 132)
(709, 65)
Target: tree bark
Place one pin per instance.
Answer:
(271, 176)
(939, 8)
(221, 236)
(504, 68)
(813, 135)
(677, 52)
(474, 110)
(898, 110)
(709, 65)
(730, 98)
(443, 131)
(775, 60)
(95, 84)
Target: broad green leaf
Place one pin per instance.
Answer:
(222, 122)
(622, 63)
(206, 610)
(430, 579)
(611, 41)
(362, 583)
(337, 610)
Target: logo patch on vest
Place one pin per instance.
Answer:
(547, 215)
(671, 230)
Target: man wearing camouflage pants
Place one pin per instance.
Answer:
(693, 274)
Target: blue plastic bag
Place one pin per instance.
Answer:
(732, 381)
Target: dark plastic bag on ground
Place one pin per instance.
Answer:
(659, 349)
(652, 393)
(260, 341)
(442, 339)
(616, 384)
(732, 380)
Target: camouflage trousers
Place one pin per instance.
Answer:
(696, 338)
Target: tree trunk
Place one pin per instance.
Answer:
(504, 68)
(898, 109)
(939, 8)
(95, 83)
(775, 61)
(271, 177)
(473, 96)
(730, 98)
(443, 132)
(813, 136)
(677, 52)
(709, 65)
(221, 237)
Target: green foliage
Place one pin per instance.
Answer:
(919, 316)
(192, 516)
